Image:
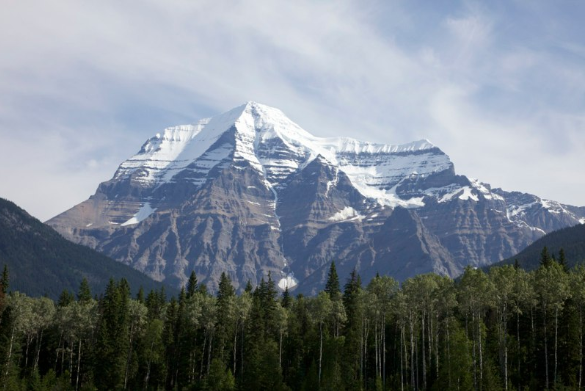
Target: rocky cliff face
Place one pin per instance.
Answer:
(249, 192)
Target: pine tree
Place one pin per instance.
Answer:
(332, 286)
(226, 317)
(352, 364)
(4, 281)
(84, 293)
(140, 295)
(112, 337)
(65, 298)
(545, 258)
(563, 260)
(286, 299)
(192, 285)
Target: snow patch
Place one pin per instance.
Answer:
(463, 193)
(265, 139)
(348, 213)
(88, 225)
(145, 211)
(582, 221)
(288, 282)
(468, 194)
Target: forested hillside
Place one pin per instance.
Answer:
(571, 240)
(42, 262)
(506, 329)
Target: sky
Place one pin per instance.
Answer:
(499, 86)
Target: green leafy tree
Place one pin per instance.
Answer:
(502, 279)
(475, 296)
(320, 309)
(551, 283)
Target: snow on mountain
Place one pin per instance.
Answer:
(271, 143)
(145, 211)
(249, 192)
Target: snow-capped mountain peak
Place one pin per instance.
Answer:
(249, 192)
(267, 140)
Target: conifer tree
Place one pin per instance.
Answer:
(563, 260)
(192, 285)
(332, 285)
(353, 364)
(112, 338)
(65, 298)
(545, 258)
(4, 281)
(226, 317)
(140, 295)
(84, 292)
(286, 299)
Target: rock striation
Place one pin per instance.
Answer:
(250, 193)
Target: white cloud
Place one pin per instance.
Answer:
(87, 82)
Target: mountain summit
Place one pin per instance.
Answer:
(250, 193)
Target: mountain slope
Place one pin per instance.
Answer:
(570, 239)
(40, 261)
(249, 192)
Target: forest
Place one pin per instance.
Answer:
(504, 328)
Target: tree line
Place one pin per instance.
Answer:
(497, 330)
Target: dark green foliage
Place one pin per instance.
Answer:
(504, 329)
(545, 259)
(4, 281)
(286, 299)
(332, 285)
(192, 284)
(65, 298)
(84, 292)
(112, 337)
(42, 262)
(571, 240)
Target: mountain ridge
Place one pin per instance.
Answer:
(42, 262)
(250, 192)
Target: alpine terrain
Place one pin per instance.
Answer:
(250, 193)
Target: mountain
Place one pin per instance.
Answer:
(250, 193)
(570, 239)
(41, 262)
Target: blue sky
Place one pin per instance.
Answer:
(498, 85)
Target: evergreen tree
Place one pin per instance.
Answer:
(286, 299)
(563, 260)
(545, 258)
(84, 293)
(332, 285)
(192, 285)
(226, 317)
(353, 363)
(140, 295)
(4, 281)
(65, 298)
(112, 337)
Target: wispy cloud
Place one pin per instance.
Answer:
(499, 87)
